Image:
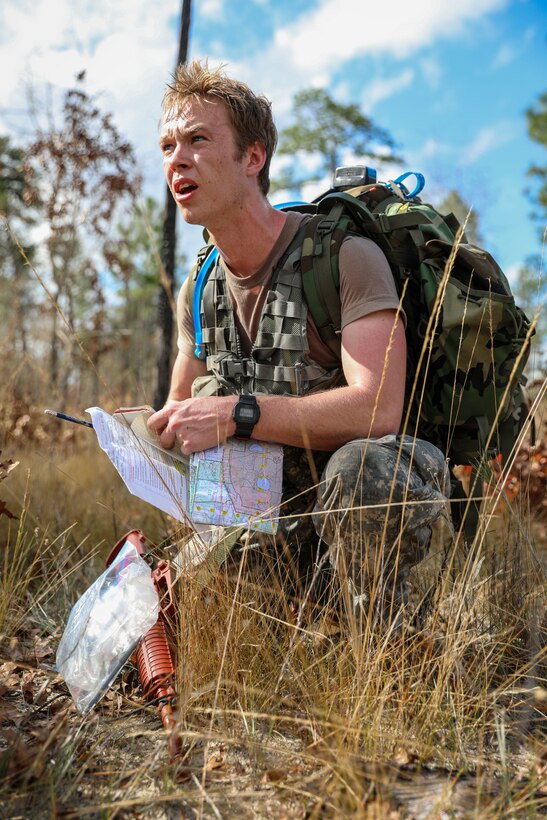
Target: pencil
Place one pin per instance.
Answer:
(68, 418)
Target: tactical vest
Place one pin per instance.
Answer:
(279, 362)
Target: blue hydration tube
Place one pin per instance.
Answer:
(201, 278)
(196, 301)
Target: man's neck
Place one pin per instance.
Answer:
(246, 242)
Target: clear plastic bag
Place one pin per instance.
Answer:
(105, 626)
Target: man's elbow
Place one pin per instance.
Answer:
(387, 418)
(385, 427)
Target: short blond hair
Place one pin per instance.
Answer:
(250, 115)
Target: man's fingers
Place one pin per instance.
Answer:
(167, 439)
(158, 421)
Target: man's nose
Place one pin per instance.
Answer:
(180, 156)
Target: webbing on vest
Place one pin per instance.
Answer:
(279, 362)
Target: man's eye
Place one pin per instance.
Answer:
(197, 137)
(166, 147)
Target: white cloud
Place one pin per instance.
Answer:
(433, 148)
(305, 52)
(128, 49)
(488, 139)
(211, 8)
(340, 29)
(512, 273)
(505, 56)
(383, 87)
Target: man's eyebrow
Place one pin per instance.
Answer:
(190, 131)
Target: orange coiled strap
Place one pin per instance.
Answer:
(155, 661)
(156, 670)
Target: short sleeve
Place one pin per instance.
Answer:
(186, 340)
(366, 281)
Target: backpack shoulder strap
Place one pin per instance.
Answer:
(340, 214)
(321, 272)
(396, 229)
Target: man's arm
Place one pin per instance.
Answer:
(185, 370)
(374, 364)
(373, 360)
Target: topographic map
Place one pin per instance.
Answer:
(237, 484)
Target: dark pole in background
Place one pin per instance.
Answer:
(166, 299)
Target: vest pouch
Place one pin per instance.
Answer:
(208, 386)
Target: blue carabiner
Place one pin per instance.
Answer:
(200, 284)
(420, 183)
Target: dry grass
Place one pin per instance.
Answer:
(282, 713)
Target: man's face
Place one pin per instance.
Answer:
(200, 162)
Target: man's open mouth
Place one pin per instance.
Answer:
(182, 188)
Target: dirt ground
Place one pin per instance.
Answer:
(115, 762)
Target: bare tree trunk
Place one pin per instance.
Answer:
(54, 346)
(168, 245)
(20, 327)
(125, 345)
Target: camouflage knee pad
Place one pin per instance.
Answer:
(379, 493)
(367, 497)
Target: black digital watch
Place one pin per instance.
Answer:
(245, 414)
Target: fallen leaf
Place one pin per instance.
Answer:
(403, 756)
(43, 647)
(27, 687)
(9, 684)
(274, 775)
(20, 758)
(216, 762)
(183, 774)
(9, 714)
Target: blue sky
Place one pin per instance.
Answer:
(450, 82)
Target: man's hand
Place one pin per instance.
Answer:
(194, 424)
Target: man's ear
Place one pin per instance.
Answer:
(256, 158)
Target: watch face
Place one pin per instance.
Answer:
(246, 413)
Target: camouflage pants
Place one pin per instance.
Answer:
(372, 502)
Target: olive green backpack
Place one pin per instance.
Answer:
(467, 340)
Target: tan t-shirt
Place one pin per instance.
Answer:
(366, 286)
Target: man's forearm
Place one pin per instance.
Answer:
(185, 370)
(321, 421)
(324, 421)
